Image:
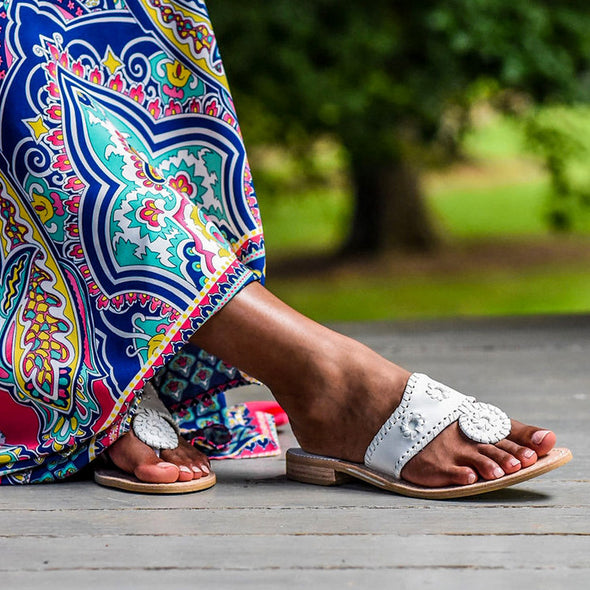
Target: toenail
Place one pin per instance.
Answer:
(528, 453)
(514, 462)
(205, 469)
(498, 472)
(472, 478)
(184, 468)
(196, 469)
(539, 436)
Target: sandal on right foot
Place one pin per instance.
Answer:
(426, 409)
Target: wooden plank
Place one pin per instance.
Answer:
(243, 485)
(435, 520)
(512, 552)
(400, 578)
(279, 492)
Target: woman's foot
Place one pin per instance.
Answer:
(341, 418)
(338, 393)
(453, 459)
(181, 464)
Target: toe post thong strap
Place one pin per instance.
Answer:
(153, 424)
(426, 409)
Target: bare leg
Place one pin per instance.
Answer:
(338, 393)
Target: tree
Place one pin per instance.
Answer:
(381, 77)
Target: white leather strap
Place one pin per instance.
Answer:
(150, 400)
(426, 409)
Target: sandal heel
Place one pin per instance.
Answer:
(304, 472)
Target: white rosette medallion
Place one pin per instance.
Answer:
(483, 422)
(155, 429)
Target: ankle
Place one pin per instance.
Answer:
(351, 387)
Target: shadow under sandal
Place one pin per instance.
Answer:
(154, 426)
(426, 409)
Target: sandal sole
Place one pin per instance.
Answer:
(112, 478)
(326, 471)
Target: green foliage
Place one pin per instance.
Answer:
(311, 223)
(491, 211)
(383, 74)
(561, 136)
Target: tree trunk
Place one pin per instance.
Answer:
(389, 211)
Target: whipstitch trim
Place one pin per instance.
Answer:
(394, 420)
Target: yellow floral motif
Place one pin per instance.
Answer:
(10, 457)
(177, 74)
(43, 207)
(155, 344)
(61, 431)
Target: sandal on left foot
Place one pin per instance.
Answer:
(115, 478)
(154, 426)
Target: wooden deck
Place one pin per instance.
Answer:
(256, 529)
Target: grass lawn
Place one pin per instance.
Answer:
(552, 289)
(499, 197)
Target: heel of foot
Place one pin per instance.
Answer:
(306, 472)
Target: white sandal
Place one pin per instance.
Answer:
(426, 409)
(154, 426)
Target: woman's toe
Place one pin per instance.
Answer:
(462, 476)
(433, 476)
(537, 439)
(507, 461)
(525, 455)
(200, 470)
(185, 473)
(192, 463)
(486, 467)
(157, 471)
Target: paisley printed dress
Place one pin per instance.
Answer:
(128, 217)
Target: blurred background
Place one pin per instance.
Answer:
(417, 159)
